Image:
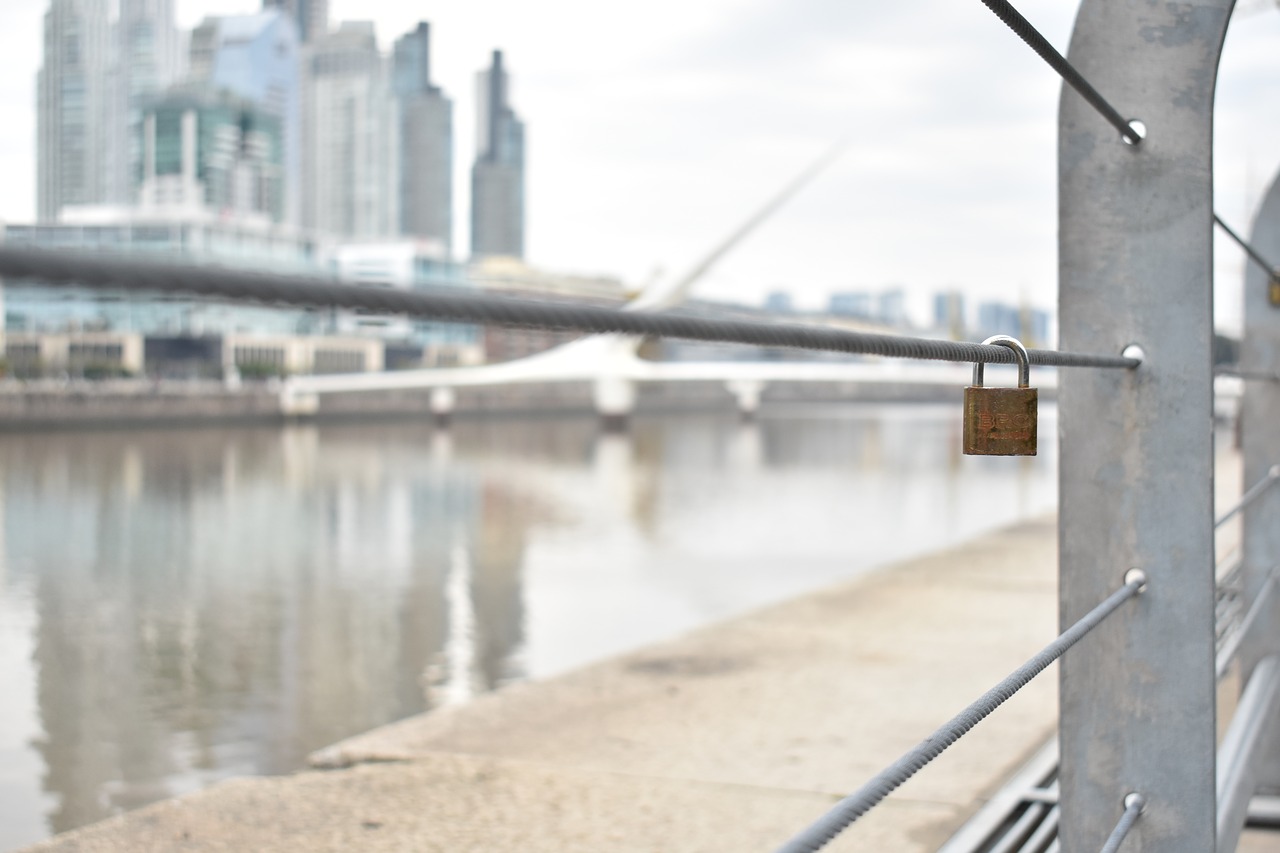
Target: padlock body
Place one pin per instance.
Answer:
(1000, 421)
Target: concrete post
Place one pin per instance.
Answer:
(1135, 256)
(615, 399)
(442, 401)
(746, 392)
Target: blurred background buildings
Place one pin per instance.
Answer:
(277, 140)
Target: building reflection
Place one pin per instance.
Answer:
(196, 623)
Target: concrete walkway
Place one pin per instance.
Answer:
(731, 738)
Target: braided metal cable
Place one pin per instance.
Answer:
(1022, 27)
(456, 305)
(1273, 474)
(1253, 253)
(1133, 806)
(854, 806)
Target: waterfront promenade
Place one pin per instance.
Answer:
(729, 738)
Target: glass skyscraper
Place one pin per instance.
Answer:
(255, 57)
(497, 178)
(424, 130)
(348, 157)
(75, 120)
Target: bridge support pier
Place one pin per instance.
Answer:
(298, 404)
(747, 394)
(615, 401)
(1135, 267)
(442, 401)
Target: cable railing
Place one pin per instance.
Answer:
(1273, 475)
(857, 804)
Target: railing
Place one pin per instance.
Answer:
(1139, 767)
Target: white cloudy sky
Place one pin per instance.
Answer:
(654, 128)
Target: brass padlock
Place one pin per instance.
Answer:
(1001, 421)
(1273, 290)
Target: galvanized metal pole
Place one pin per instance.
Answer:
(1260, 445)
(1135, 255)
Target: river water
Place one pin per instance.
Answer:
(180, 606)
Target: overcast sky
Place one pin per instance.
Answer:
(655, 128)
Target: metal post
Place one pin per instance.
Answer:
(1260, 445)
(1135, 255)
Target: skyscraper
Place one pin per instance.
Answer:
(98, 73)
(148, 59)
(311, 17)
(255, 57)
(74, 110)
(212, 151)
(348, 154)
(497, 178)
(424, 130)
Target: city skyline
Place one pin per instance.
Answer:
(656, 134)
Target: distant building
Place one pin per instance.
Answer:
(779, 302)
(348, 158)
(405, 265)
(998, 318)
(513, 277)
(891, 308)
(948, 313)
(497, 178)
(214, 152)
(850, 304)
(424, 143)
(310, 17)
(53, 329)
(75, 113)
(148, 60)
(256, 57)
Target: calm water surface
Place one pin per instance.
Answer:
(177, 607)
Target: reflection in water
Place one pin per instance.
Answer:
(201, 604)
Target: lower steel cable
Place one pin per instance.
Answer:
(71, 269)
(854, 806)
(1133, 805)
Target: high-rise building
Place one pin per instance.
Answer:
(348, 155)
(255, 57)
(211, 152)
(850, 304)
(949, 313)
(148, 60)
(310, 17)
(424, 131)
(75, 113)
(497, 178)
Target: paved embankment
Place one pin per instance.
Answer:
(730, 738)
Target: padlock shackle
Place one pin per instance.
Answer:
(1019, 352)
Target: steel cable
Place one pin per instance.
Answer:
(1253, 253)
(1022, 27)
(1133, 805)
(450, 305)
(1250, 496)
(854, 806)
